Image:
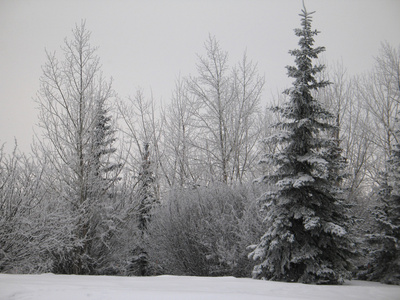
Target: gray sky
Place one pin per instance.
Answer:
(147, 44)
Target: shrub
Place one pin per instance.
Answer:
(205, 231)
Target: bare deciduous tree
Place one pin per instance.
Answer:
(24, 219)
(225, 104)
(142, 126)
(72, 110)
(180, 161)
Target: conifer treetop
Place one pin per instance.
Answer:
(304, 71)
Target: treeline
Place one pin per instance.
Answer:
(126, 187)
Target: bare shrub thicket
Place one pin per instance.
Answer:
(205, 231)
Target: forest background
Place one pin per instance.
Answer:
(117, 185)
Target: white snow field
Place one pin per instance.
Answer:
(72, 287)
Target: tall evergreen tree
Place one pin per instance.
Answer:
(385, 258)
(307, 220)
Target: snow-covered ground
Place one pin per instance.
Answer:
(72, 287)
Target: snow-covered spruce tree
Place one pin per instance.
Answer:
(306, 218)
(140, 264)
(104, 168)
(146, 190)
(385, 258)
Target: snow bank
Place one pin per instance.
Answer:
(72, 287)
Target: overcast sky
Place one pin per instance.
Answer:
(147, 44)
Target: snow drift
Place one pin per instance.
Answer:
(67, 287)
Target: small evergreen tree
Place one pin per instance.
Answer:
(104, 166)
(140, 263)
(103, 169)
(385, 258)
(307, 220)
(146, 192)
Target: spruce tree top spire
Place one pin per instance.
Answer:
(304, 71)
